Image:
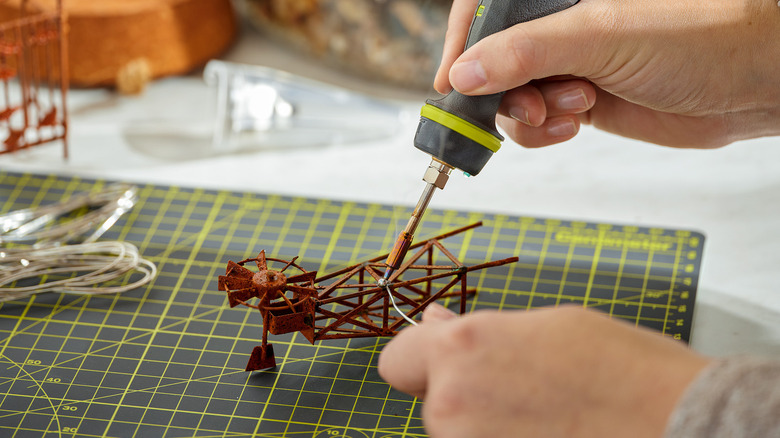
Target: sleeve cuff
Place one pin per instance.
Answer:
(732, 397)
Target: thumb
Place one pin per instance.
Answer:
(563, 43)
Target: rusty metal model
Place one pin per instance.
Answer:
(347, 303)
(33, 77)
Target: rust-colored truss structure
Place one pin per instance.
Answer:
(347, 303)
(34, 78)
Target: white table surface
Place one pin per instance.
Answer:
(730, 194)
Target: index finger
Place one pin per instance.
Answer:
(458, 25)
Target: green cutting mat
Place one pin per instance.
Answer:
(168, 359)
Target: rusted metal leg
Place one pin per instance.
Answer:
(262, 358)
(265, 326)
(263, 355)
(463, 293)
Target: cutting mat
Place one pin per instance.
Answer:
(168, 359)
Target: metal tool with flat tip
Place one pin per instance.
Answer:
(459, 131)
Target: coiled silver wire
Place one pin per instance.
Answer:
(40, 252)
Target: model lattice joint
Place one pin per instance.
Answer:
(347, 303)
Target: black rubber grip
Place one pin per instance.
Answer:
(470, 156)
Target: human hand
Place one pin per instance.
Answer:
(681, 73)
(565, 372)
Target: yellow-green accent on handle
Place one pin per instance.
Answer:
(461, 126)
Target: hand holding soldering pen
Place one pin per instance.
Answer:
(459, 131)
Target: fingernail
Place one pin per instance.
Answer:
(468, 76)
(562, 128)
(437, 312)
(519, 114)
(573, 100)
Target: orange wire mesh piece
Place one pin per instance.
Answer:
(33, 77)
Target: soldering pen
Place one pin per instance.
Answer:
(435, 177)
(459, 131)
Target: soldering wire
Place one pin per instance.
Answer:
(31, 224)
(97, 263)
(40, 247)
(392, 300)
